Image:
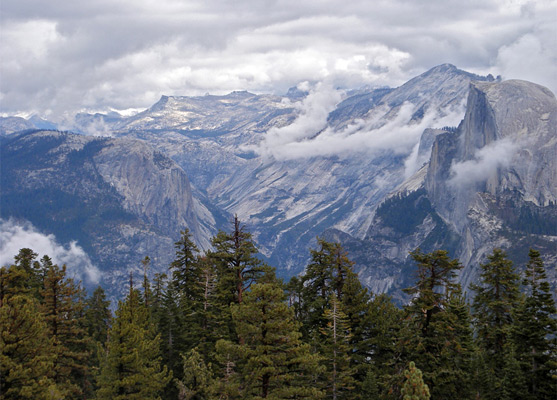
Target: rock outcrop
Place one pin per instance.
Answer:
(120, 198)
(490, 183)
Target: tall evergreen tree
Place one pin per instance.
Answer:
(131, 367)
(272, 362)
(534, 332)
(98, 316)
(414, 387)
(23, 277)
(147, 292)
(27, 352)
(335, 347)
(35, 270)
(435, 334)
(63, 310)
(330, 272)
(97, 323)
(211, 326)
(186, 272)
(382, 332)
(237, 265)
(496, 296)
(197, 381)
(327, 272)
(172, 335)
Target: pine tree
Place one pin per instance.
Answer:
(383, 332)
(98, 316)
(534, 332)
(414, 387)
(172, 331)
(339, 374)
(147, 293)
(26, 260)
(131, 367)
(186, 272)
(357, 305)
(23, 277)
(197, 381)
(496, 296)
(27, 353)
(237, 265)
(63, 310)
(435, 333)
(210, 324)
(271, 362)
(327, 272)
(97, 323)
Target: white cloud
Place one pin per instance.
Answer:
(15, 236)
(309, 136)
(485, 164)
(530, 59)
(314, 110)
(63, 57)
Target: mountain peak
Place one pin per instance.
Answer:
(451, 70)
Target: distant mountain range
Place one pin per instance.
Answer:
(448, 160)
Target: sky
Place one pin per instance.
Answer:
(60, 57)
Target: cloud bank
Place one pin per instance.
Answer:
(309, 136)
(15, 236)
(59, 57)
(485, 164)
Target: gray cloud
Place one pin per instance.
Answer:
(309, 135)
(485, 164)
(60, 57)
(15, 236)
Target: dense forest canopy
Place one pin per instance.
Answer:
(221, 325)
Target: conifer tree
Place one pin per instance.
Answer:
(271, 362)
(97, 323)
(210, 325)
(147, 293)
(27, 353)
(357, 305)
(26, 260)
(98, 316)
(534, 332)
(197, 381)
(237, 265)
(496, 296)
(23, 277)
(172, 335)
(186, 272)
(131, 367)
(339, 374)
(414, 387)
(63, 310)
(327, 272)
(383, 332)
(435, 333)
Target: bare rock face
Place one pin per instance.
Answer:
(9, 125)
(119, 198)
(506, 142)
(189, 162)
(490, 183)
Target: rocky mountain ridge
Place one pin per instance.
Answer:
(356, 169)
(490, 183)
(120, 198)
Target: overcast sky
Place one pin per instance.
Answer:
(58, 56)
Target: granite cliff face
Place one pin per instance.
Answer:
(490, 183)
(120, 198)
(286, 203)
(365, 177)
